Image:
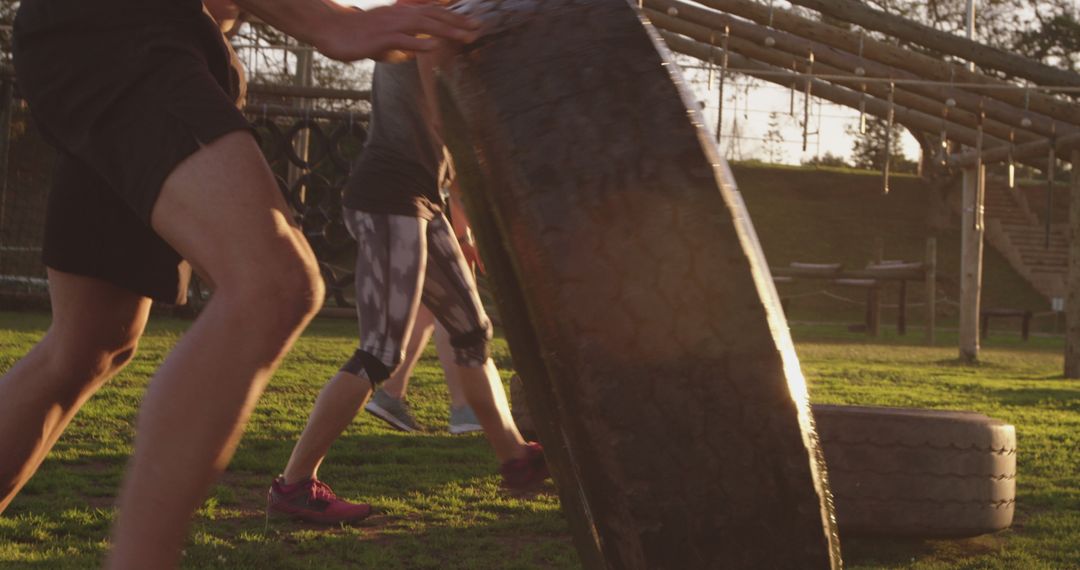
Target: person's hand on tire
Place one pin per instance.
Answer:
(395, 32)
(470, 252)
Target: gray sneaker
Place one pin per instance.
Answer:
(463, 420)
(392, 411)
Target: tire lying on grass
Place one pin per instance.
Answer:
(918, 473)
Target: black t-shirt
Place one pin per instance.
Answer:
(400, 169)
(38, 15)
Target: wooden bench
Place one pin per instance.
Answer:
(1022, 314)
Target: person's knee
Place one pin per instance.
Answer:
(86, 359)
(473, 348)
(279, 295)
(365, 364)
(306, 290)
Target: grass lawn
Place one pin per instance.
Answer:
(438, 496)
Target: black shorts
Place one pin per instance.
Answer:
(124, 105)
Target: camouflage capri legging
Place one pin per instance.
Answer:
(402, 261)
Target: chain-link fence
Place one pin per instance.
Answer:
(308, 148)
(25, 172)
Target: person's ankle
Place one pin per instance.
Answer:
(391, 394)
(288, 480)
(520, 452)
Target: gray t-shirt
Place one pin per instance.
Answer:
(398, 171)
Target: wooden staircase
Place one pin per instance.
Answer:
(1017, 233)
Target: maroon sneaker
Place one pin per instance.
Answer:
(525, 473)
(313, 501)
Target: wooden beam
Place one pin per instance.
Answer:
(922, 65)
(707, 25)
(971, 257)
(1072, 297)
(784, 60)
(307, 92)
(874, 106)
(1020, 153)
(969, 50)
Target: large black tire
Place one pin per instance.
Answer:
(924, 473)
(637, 303)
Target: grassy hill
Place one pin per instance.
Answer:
(835, 216)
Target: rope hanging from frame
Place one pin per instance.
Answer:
(980, 171)
(806, 99)
(720, 88)
(862, 88)
(943, 149)
(891, 117)
(1011, 164)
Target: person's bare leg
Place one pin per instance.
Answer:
(342, 397)
(485, 394)
(221, 210)
(398, 383)
(95, 327)
(450, 368)
(451, 293)
(335, 408)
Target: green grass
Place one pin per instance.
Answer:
(440, 506)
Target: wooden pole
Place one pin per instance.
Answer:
(945, 42)
(931, 288)
(971, 247)
(307, 92)
(873, 309)
(875, 291)
(302, 142)
(1072, 299)
(901, 317)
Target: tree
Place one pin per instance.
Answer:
(827, 159)
(868, 148)
(7, 17)
(996, 21)
(772, 142)
(1056, 40)
(1045, 30)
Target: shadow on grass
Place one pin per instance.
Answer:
(879, 551)
(873, 551)
(963, 364)
(380, 464)
(436, 499)
(1064, 398)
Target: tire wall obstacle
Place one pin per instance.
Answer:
(635, 297)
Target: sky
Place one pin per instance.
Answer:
(750, 103)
